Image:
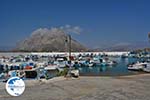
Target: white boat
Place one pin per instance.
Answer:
(51, 71)
(146, 68)
(60, 64)
(91, 64)
(75, 73)
(95, 61)
(111, 63)
(51, 67)
(137, 66)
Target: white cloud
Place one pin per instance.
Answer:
(71, 29)
(67, 29)
(40, 31)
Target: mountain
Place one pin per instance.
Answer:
(44, 39)
(127, 46)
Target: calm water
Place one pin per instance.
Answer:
(119, 69)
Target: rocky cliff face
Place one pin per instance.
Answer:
(44, 39)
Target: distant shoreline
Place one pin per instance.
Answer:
(60, 53)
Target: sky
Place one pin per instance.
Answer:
(103, 22)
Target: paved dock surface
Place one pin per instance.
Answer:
(86, 88)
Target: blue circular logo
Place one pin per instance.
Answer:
(15, 86)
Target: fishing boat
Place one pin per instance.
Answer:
(137, 66)
(75, 73)
(111, 63)
(146, 68)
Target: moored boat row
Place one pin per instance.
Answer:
(35, 66)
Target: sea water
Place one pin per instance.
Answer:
(117, 70)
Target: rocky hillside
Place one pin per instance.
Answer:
(128, 46)
(44, 39)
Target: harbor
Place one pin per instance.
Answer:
(74, 50)
(49, 65)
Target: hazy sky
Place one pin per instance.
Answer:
(103, 22)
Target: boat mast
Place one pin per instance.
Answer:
(69, 47)
(69, 51)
